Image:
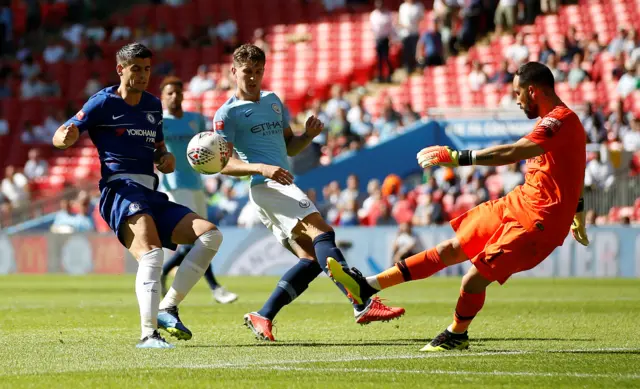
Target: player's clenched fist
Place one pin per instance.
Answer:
(278, 174)
(438, 156)
(313, 126)
(67, 136)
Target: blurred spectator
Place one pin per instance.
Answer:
(388, 123)
(447, 11)
(385, 218)
(358, 110)
(35, 166)
(505, 16)
(409, 116)
(121, 31)
(92, 50)
(599, 173)
(47, 86)
(163, 66)
(471, 13)
(5, 88)
(54, 52)
(430, 49)
(618, 122)
(381, 22)
(351, 192)
(362, 126)
(549, 6)
(619, 67)
(577, 74)
(93, 85)
(95, 31)
(617, 43)
(201, 82)
(512, 177)
(32, 135)
(162, 39)
(259, 40)
(73, 33)
(593, 48)
(349, 213)
(631, 42)
(403, 208)
(552, 64)
(590, 217)
(629, 82)
(374, 195)
(593, 123)
(337, 101)
(545, 50)
(631, 139)
(410, 15)
(227, 33)
(4, 125)
(518, 52)
(29, 68)
(477, 77)
(339, 125)
(316, 110)
(427, 212)
(572, 46)
(54, 119)
(502, 76)
(67, 222)
(15, 187)
(406, 243)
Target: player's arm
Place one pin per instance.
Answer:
(490, 156)
(578, 228)
(238, 168)
(295, 144)
(164, 160)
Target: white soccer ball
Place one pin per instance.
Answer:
(208, 152)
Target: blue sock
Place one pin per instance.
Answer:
(325, 246)
(211, 279)
(291, 285)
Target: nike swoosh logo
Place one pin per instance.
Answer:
(114, 117)
(147, 283)
(248, 113)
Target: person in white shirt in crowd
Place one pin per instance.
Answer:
(518, 52)
(73, 33)
(95, 31)
(511, 177)
(201, 83)
(593, 123)
(15, 187)
(406, 244)
(121, 31)
(32, 135)
(336, 102)
(617, 43)
(227, 30)
(599, 173)
(162, 38)
(54, 52)
(410, 15)
(260, 41)
(35, 167)
(631, 139)
(577, 74)
(552, 64)
(477, 78)
(356, 112)
(629, 82)
(505, 16)
(29, 68)
(92, 86)
(381, 22)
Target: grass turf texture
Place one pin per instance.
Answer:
(80, 332)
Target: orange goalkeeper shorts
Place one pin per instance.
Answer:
(497, 244)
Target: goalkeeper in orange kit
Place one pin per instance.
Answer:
(509, 235)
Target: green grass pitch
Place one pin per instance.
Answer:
(79, 332)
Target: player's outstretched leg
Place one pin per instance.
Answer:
(291, 285)
(173, 262)
(470, 302)
(188, 274)
(365, 308)
(220, 293)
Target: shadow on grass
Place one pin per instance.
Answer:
(314, 344)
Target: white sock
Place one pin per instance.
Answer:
(192, 268)
(148, 289)
(373, 282)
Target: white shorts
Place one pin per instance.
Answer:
(192, 199)
(281, 207)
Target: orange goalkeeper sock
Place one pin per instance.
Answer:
(416, 267)
(469, 304)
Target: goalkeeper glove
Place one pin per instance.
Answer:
(578, 229)
(444, 156)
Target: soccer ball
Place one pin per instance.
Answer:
(208, 152)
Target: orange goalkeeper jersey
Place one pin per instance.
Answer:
(549, 196)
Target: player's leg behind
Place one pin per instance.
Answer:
(173, 262)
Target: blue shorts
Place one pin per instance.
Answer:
(123, 198)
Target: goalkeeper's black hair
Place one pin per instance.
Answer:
(535, 73)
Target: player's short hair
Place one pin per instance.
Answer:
(132, 50)
(535, 73)
(171, 80)
(249, 53)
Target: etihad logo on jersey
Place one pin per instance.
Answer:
(269, 128)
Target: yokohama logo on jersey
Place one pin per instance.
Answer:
(219, 125)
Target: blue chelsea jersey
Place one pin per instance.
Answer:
(125, 135)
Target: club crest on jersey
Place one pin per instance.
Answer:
(219, 125)
(151, 119)
(80, 115)
(304, 203)
(276, 108)
(134, 207)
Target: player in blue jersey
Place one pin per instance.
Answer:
(184, 185)
(256, 124)
(125, 124)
